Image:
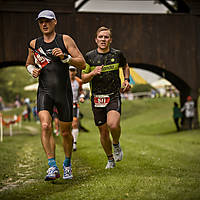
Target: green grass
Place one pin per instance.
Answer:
(158, 163)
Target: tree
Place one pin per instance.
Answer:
(12, 83)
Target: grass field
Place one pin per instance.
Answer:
(158, 163)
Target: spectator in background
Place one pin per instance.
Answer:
(28, 108)
(1, 104)
(27, 100)
(189, 111)
(176, 115)
(17, 101)
(27, 112)
(35, 114)
(153, 93)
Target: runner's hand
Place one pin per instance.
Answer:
(126, 86)
(36, 72)
(58, 53)
(97, 70)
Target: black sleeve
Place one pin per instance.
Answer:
(86, 58)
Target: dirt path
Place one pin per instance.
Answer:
(32, 129)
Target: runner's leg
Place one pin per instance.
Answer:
(48, 145)
(47, 136)
(105, 139)
(113, 121)
(107, 145)
(66, 128)
(75, 132)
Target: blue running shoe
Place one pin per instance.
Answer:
(52, 174)
(67, 172)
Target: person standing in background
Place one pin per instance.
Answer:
(189, 109)
(177, 115)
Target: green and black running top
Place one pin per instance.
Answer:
(108, 82)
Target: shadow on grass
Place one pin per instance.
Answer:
(181, 132)
(167, 133)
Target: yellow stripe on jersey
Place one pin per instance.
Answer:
(87, 69)
(107, 68)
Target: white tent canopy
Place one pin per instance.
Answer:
(161, 83)
(32, 87)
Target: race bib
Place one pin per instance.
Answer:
(101, 100)
(41, 61)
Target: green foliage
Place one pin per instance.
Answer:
(12, 82)
(141, 88)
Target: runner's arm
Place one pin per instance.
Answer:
(126, 72)
(77, 58)
(30, 62)
(81, 92)
(88, 77)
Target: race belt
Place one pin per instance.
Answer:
(101, 100)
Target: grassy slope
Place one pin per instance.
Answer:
(158, 162)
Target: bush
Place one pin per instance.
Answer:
(141, 88)
(12, 82)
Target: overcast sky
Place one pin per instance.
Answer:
(133, 6)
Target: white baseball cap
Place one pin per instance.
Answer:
(72, 67)
(48, 14)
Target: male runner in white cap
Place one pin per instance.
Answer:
(49, 58)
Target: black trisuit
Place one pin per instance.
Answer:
(108, 83)
(54, 81)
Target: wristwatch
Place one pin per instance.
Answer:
(127, 79)
(66, 58)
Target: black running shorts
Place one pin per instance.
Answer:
(75, 110)
(64, 106)
(100, 114)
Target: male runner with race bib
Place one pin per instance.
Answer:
(102, 71)
(48, 58)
